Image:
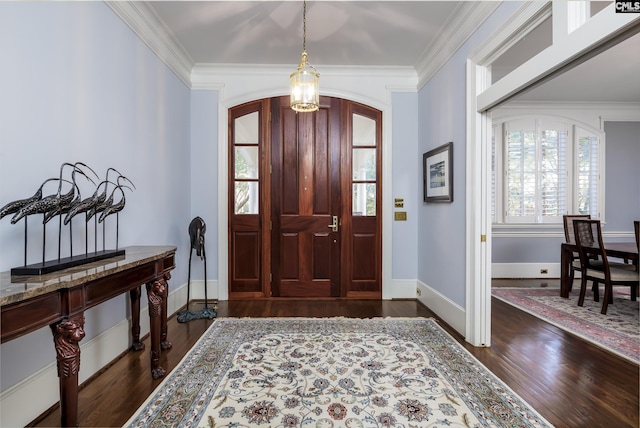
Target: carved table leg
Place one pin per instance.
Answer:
(136, 344)
(155, 292)
(164, 343)
(66, 335)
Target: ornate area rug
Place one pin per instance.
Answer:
(332, 372)
(618, 331)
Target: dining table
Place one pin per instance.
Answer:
(622, 250)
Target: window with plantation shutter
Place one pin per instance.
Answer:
(587, 172)
(548, 167)
(494, 179)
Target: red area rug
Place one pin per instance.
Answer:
(618, 331)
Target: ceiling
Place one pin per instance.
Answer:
(347, 33)
(366, 33)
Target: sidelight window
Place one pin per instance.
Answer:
(246, 164)
(364, 155)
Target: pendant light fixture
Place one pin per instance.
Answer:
(304, 95)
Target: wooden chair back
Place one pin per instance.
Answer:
(588, 239)
(568, 226)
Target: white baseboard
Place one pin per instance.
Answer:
(402, 289)
(25, 401)
(197, 290)
(449, 311)
(525, 270)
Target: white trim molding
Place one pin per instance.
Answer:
(151, 29)
(403, 289)
(369, 86)
(447, 309)
(525, 270)
(598, 33)
(463, 23)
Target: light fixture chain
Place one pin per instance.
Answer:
(304, 26)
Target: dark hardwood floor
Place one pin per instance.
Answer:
(568, 381)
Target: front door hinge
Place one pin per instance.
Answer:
(270, 277)
(483, 238)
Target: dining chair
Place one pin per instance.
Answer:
(596, 266)
(569, 237)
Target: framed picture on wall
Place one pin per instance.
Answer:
(437, 174)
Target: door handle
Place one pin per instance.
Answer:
(334, 225)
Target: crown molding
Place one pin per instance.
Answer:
(575, 105)
(521, 23)
(463, 23)
(151, 29)
(209, 76)
(146, 24)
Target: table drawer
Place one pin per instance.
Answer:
(30, 315)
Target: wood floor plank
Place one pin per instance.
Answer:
(567, 380)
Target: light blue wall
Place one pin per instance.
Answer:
(442, 118)
(407, 184)
(204, 174)
(622, 175)
(76, 84)
(622, 200)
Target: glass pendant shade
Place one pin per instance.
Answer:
(305, 94)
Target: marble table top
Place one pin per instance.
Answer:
(16, 288)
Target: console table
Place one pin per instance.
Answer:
(59, 300)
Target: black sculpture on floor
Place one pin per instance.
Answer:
(197, 228)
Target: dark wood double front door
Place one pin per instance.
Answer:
(304, 200)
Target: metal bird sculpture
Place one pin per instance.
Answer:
(50, 202)
(86, 204)
(15, 206)
(66, 205)
(114, 209)
(102, 202)
(101, 197)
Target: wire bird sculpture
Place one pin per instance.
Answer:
(68, 205)
(114, 208)
(106, 205)
(51, 203)
(197, 228)
(15, 206)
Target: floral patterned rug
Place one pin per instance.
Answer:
(618, 331)
(332, 372)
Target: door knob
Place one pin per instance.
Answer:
(334, 225)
